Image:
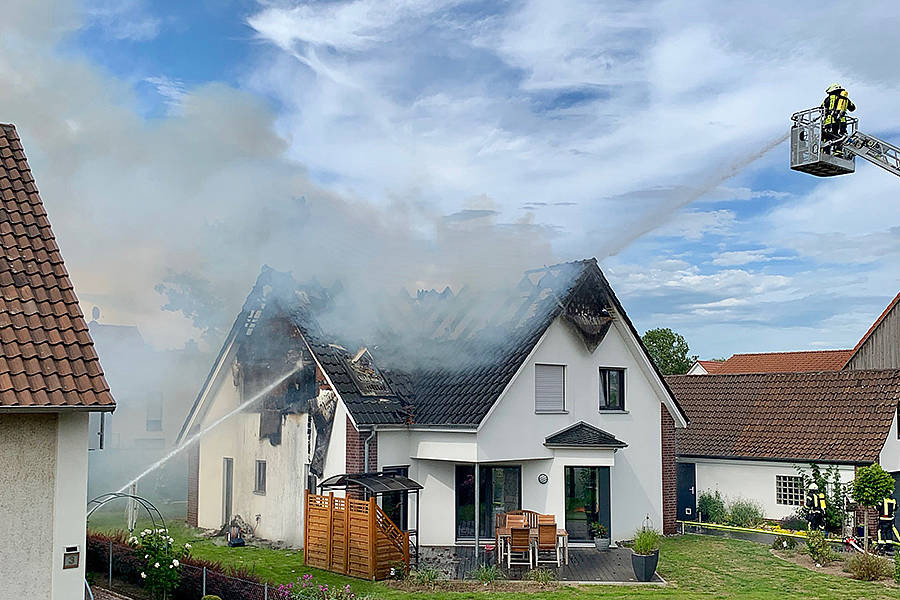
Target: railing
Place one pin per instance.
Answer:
(352, 537)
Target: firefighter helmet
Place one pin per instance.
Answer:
(833, 88)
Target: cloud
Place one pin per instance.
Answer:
(172, 90)
(743, 257)
(123, 19)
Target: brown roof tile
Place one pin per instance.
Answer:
(782, 362)
(48, 359)
(837, 416)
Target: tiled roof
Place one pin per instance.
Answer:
(838, 416)
(712, 366)
(441, 359)
(47, 361)
(584, 434)
(781, 362)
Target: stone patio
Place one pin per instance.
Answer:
(586, 565)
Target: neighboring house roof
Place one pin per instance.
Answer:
(781, 362)
(583, 434)
(831, 416)
(440, 359)
(47, 360)
(706, 366)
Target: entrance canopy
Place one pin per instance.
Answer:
(376, 483)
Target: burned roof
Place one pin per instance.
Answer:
(48, 360)
(829, 416)
(436, 358)
(583, 435)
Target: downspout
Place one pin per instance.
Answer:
(366, 450)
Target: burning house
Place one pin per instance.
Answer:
(540, 397)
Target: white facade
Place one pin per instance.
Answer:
(43, 493)
(890, 454)
(753, 480)
(512, 434)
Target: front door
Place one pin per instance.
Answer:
(227, 489)
(396, 504)
(687, 491)
(587, 501)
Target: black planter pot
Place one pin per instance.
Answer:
(644, 565)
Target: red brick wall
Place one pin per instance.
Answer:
(669, 483)
(873, 517)
(193, 487)
(356, 451)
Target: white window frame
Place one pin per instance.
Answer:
(793, 497)
(562, 408)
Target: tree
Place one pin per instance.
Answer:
(669, 351)
(871, 486)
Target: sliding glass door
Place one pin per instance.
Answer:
(587, 500)
(500, 490)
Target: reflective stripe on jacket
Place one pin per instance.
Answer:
(836, 105)
(888, 508)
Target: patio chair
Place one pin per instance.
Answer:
(546, 543)
(546, 520)
(516, 521)
(520, 545)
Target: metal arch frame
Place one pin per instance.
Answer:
(151, 509)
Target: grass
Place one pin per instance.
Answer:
(695, 566)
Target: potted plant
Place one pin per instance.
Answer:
(601, 535)
(645, 553)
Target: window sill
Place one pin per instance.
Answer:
(551, 412)
(613, 411)
(258, 493)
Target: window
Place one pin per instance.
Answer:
(500, 491)
(789, 490)
(612, 389)
(549, 388)
(154, 414)
(260, 485)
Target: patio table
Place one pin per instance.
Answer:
(562, 536)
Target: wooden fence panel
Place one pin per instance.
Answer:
(352, 537)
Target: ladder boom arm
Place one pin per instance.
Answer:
(878, 152)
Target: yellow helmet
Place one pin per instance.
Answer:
(833, 88)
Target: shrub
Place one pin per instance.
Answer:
(599, 530)
(711, 506)
(425, 576)
(745, 513)
(784, 542)
(541, 575)
(794, 522)
(869, 567)
(835, 490)
(161, 559)
(486, 574)
(646, 540)
(872, 483)
(818, 548)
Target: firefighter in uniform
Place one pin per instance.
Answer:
(836, 105)
(815, 502)
(887, 531)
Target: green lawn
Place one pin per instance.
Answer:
(695, 566)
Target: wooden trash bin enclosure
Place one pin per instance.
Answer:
(352, 537)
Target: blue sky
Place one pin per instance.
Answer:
(421, 143)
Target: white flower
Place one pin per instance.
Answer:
(155, 565)
(188, 546)
(170, 566)
(143, 575)
(146, 556)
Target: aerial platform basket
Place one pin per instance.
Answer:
(809, 153)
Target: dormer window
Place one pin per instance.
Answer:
(612, 389)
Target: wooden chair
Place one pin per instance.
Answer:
(520, 545)
(547, 543)
(516, 521)
(546, 519)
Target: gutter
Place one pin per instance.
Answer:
(62, 408)
(366, 450)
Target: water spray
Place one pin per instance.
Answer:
(194, 438)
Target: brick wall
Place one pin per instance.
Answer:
(669, 474)
(356, 452)
(861, 516)
(193, 487)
